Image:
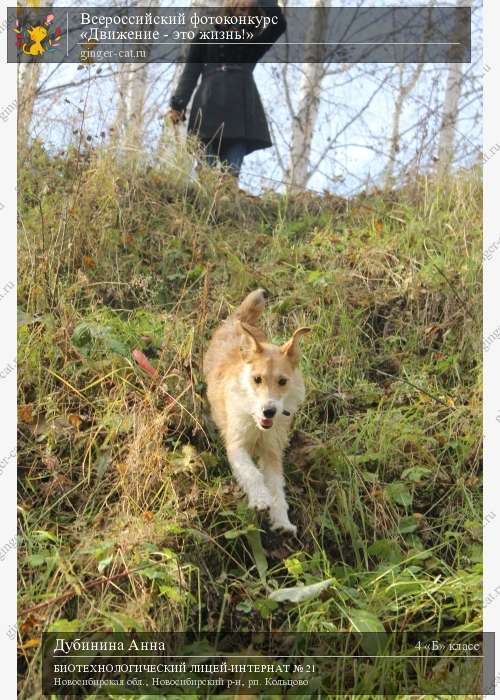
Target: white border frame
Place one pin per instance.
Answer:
(491, 319)
(8, 375)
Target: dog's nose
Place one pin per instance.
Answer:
(269, 412)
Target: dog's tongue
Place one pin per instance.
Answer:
(266, 422)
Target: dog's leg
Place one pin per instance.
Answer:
(249, 478)
(272, 467)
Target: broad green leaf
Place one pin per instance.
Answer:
(238, 532)
(154, 573)
(294, 566)
(41, 558)
(386, 550)
(171, 593)
(103, 563)
(408, 524)
(399, 493)
(45, 535)
(255, 542)
(123, 623)
(266, 607)
(64, 625)
(415, 473)
(367, 623)
(245, 606)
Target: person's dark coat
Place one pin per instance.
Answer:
(226, 106)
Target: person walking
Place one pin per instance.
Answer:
(227, 114)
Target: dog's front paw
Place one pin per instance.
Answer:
(283, 524)
(260, 500)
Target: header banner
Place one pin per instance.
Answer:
(312, 35)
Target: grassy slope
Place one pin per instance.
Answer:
(128, 479)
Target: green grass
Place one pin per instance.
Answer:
(126, 478)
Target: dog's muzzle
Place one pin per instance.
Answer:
(266, 423)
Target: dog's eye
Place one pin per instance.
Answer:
(257, 379)
(282, 381)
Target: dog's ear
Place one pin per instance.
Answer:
(249, 343)
(291, 347)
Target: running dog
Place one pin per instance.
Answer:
(254, 388)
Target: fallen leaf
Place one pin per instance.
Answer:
(74, 420)
(144, 363)
(25, 413)
(28, 624)
(88, 262)
(58, 483)
(299, 594)
(35, 642)
(51, 462)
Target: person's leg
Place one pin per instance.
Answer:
(231, 155)
(212, 157)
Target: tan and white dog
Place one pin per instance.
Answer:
(254, 388)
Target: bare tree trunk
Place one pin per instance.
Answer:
(304, 121)
(28, 76)
(446, 146)
(454, 81)
(395, 141)
(169, 139)
(129, 121)
(128, 128)
(135, 101)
